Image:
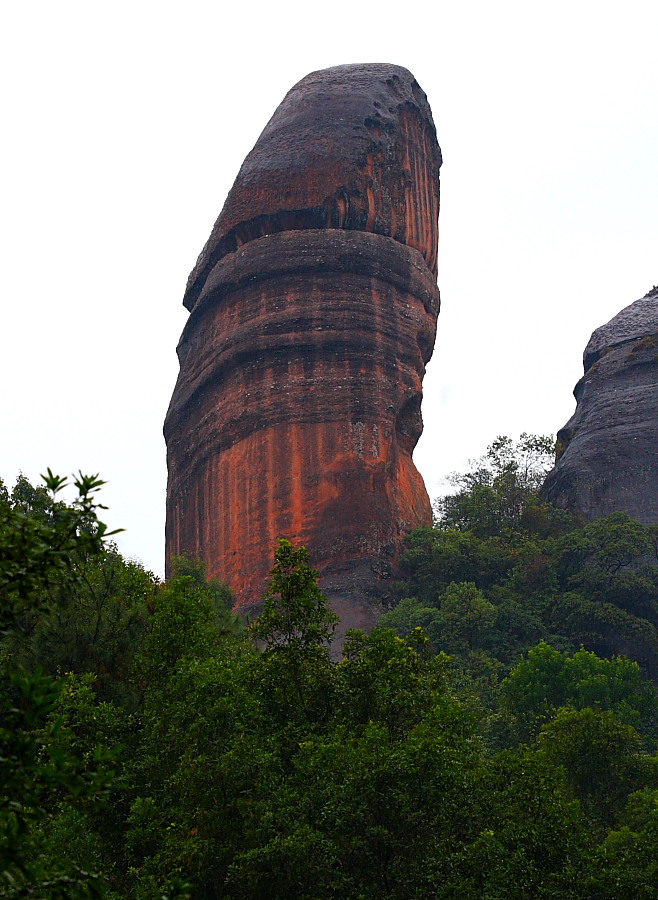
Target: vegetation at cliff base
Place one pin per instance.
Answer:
(494, 738)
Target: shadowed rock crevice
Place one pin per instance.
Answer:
(313, 315)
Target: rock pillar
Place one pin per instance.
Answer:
(313, 313)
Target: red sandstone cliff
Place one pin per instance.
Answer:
(313, 314)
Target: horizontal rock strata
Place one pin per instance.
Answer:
(352, 147)
(313, 314)
(608, 451)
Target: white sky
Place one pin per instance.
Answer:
(125, 124)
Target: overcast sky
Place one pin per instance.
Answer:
(125, 124)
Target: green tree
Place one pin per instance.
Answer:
(36, 552)
(457, 623)
(411, 613)
(39, 540)
(501, 490)
(374, 802)
(605, 629)
(466, 615)
(296, 615)
(548, 679)
(389, 680)
(532, 838)
(433, 558)
(94, 623)
(190, 617)
(611, 560)
(602, 758)
(58, 745)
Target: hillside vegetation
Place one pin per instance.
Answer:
(494, 739)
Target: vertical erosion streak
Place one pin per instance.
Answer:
(420, 191)
(432, 207)
(297, 475)
(373, 194)
(419, 240)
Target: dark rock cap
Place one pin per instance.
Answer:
(636, 320)
(350, 147)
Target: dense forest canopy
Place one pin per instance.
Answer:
(494, 738)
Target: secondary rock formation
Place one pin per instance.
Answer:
(313, 312)
(608, 451)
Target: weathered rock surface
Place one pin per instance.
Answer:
(608, 451)
(352, 147)
(313, 314)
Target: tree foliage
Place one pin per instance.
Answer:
(296, 615)
(40, 538)
(493, 738)
(549, 576)
(500, 491)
